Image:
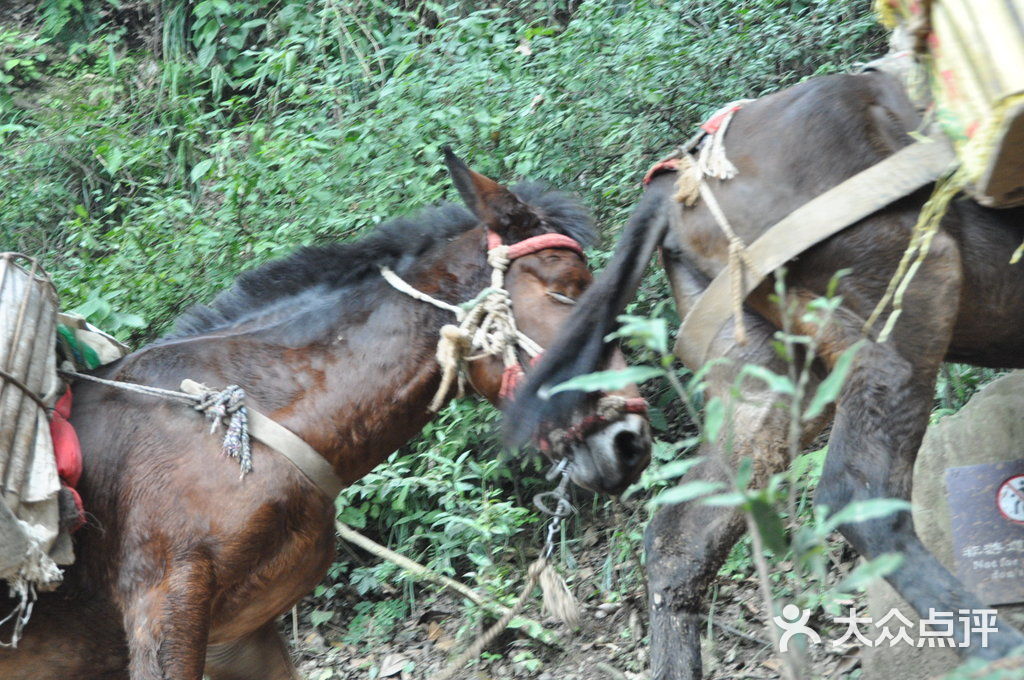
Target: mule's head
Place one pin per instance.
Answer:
(608, 439)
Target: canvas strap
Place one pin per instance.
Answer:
(287, 443)
(870, 190)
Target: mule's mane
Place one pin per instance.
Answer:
(397, 244)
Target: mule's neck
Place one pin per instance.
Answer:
(360, 388)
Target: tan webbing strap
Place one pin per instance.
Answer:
(899, 175)
(287, 443)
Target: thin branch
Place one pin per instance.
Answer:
(418, 570)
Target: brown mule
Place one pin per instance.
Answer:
(185, 565)
(963, 305)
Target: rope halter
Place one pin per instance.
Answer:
(691, 184)
(485, 325)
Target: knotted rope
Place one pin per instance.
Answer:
(711, 161)
(227, 404)
(486, 326)
(689, 186)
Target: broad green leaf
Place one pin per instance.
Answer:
(112, 159)
(200, 169)
(769, 525)
(533, 629)
(608, 380)
(206, 54)
(809, 464)
(776, 383)
(714, 416)
(676, 468)
(830, 387)
(651, 333)
(318, 617)
(865, 574)
(731, 499)
(122, 320)
(860, 511)
(744, 472)
(686, 492)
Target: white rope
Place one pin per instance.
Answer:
(738, 259)
(711, 161)
(398, 283)
(486, 326)
(223, 405)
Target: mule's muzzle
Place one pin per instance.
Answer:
(612, 457)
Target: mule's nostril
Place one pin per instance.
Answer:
(629, 447)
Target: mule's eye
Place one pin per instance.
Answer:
(558, 297)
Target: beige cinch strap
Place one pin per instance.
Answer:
(870, 190)
(288, 444)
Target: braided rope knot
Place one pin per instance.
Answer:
(611, 406)
(229, 404)
(452, 347)
(498, 257)
(486, 326)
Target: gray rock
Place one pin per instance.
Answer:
(989, 429)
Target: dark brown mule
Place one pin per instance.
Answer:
(963, 305)
(185, 566)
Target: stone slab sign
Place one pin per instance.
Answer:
(986, 512)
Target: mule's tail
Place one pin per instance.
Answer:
(581, 347)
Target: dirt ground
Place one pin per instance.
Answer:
(609, 645)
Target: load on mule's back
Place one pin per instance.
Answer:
(30, 551)
(39, 457)
(965, 58)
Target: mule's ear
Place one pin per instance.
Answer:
(492, 203)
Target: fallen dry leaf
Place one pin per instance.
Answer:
(392, 665)
(445, 643)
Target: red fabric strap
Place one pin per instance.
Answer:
(535, 244)
(670, 165)
(509, 381)
(712, 124)
(68, 451)
(585, 427)
(511, 378)
(637, 405)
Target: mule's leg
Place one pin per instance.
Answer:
(882, 414)
(261, 655)
(167, 622)
(686, 544)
